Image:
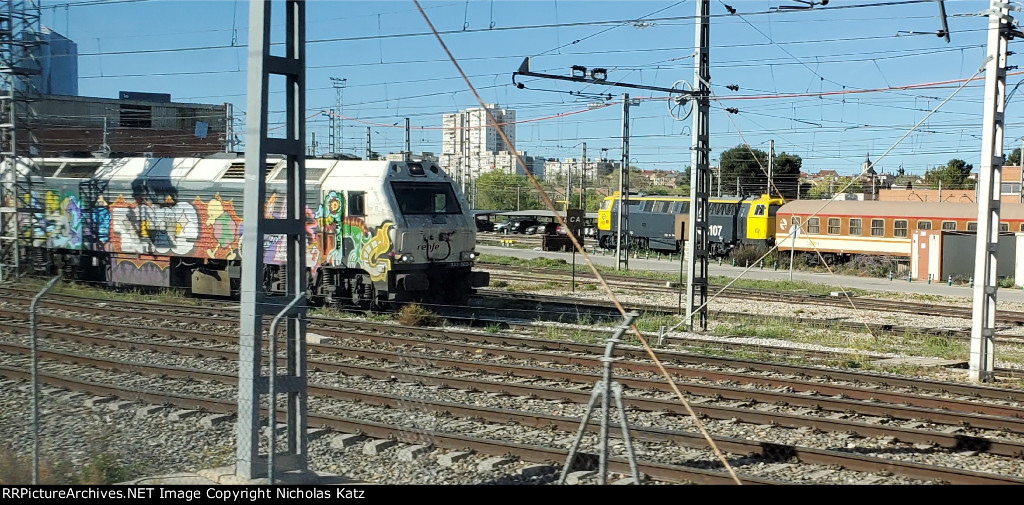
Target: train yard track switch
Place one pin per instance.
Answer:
(603, 390)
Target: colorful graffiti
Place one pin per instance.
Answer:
(275, 249)
(350, 242)
(63, 220)
(154, 229)
(373, 252)
(224, 228)
(210, 229)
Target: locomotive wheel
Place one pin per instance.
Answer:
(362, 292)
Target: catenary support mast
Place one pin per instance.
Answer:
(256, 302)
(982, 359)
(700, 182)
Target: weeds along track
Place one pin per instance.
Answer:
(561, 277)
(952, 321)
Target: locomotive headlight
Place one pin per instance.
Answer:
(469, 255)
(400, 258)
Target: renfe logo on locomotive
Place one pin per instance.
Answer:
(429, 247)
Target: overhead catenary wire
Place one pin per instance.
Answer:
(826, 203)
(550, 205)
(864, 16)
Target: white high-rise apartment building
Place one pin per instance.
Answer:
(466, 139)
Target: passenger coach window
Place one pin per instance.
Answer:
(856, 228)
(833, 226)
(924, 225)
(1004, 226)
(899, 228)
(972, 226)
(877, 228)
(356, 205)
(813, 226)
(949, 225)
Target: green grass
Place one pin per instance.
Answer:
(648, 322)
(558, 264)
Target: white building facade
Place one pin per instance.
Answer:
(469, 146)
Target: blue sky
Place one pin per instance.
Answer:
(805, 77)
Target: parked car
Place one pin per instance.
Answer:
(524, 225)
(484, 224)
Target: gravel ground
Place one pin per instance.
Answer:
(210, 446)
(155, 444)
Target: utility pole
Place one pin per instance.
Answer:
(600, 75)
(408, 144)
(332, 144)
(771, 164)
(568, 185)
(105, 146)
(337, 128)
(697, 245)
(982, 356)
(621, 250)
(719, 193)
(583, 180)
(229, 124)
(368, 147)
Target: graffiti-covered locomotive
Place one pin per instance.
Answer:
(378, 232)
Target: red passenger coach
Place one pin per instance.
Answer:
(842, 229)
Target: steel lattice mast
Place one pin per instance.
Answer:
(19, 44)
(253, 386)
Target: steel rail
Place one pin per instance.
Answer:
(770, 451)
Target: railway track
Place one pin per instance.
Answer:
(489, 312)
(671, 473)
(226, 314)
(401, 361)
(212, 313)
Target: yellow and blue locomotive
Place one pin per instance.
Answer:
(658, 223)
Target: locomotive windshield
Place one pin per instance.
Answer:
(426, 198)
